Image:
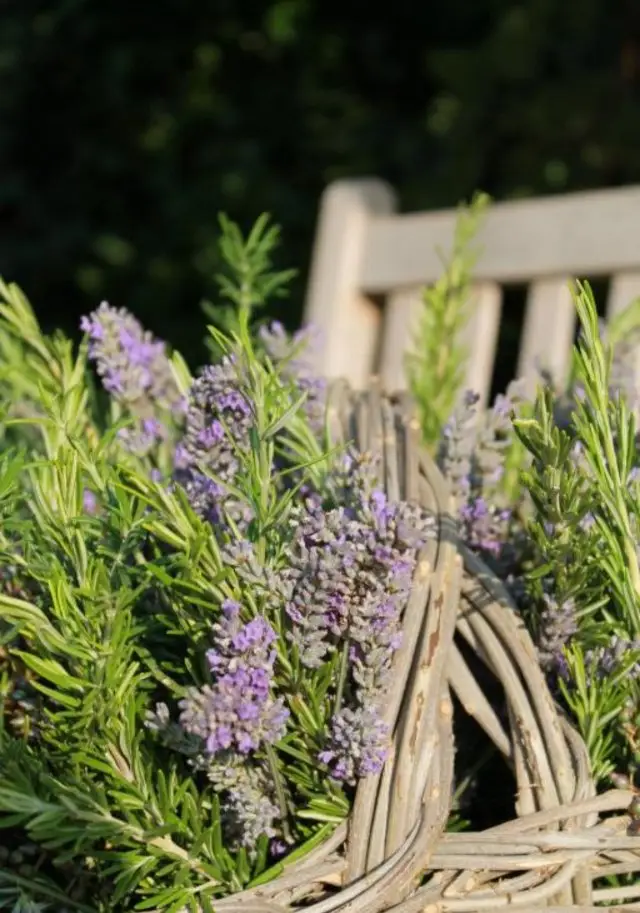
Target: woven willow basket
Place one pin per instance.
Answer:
(393, 854)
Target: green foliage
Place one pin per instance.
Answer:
(252, 281)
(585, 525)
(435, 367)
(108, 611)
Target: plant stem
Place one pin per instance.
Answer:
(274, 767)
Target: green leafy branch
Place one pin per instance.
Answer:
(248, 280)
(585, 526)
(436, 365)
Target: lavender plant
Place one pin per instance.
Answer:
(474, 455)
(545, 493)
(206, 608)
(585, 527)
(563, 538)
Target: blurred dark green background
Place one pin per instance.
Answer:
(126, 125)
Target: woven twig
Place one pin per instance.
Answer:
(393, 853)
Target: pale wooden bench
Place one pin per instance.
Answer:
(370, 263)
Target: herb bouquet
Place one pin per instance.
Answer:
(233, 616)
(223, 629)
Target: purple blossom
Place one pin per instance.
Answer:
(484, 526)
(557, 625)
(135, 370)
(89, 501)
(358, 744)
(619, 655)
(248, 809)
(457, 446)
(237, 712)
(219, 417)
(472, 457)
(494, 436)
(350, 571)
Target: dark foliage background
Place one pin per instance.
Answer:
(125, 126)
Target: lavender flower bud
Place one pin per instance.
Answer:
(358, 744)
(237, 712)
(351, 570)
(131, 363)
(247, 808)
(349, 577)
(483, 526)
(219, 417)
(494, 437)
(619, 654)
(219, 414)
(135, 370)
(472, 456)
(89, 501)
(458, 443)
(557, 625)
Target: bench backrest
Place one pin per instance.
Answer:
(366, 253)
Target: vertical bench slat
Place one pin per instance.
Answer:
(348, 321)
(401, 319)
(548, 332)
(625, 288)
(480, 338)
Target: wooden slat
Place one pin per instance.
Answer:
(548, 332)
(480, 337)
(625, 288)
(401, 317)
(577, 234)
(348, 321)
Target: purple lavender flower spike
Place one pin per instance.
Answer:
(89, 501)
(219, 416)
(556, 628)
(248, 810)
(472, 456)
(457, 447)
(135, 370)
(619, 654)
(237, 711)
(484, 526)
(349, 577)
(350, 573)
(358, 745)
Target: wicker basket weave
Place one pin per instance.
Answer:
(393, 853)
